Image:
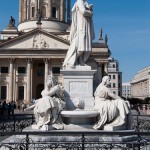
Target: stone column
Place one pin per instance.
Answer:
(25, 9)
(99, 71)
(36, 7)
(29, 2)
(29, 67)
(106, 68)
(11, 69)
(61, 9)
(58, 13)
(49, 9)
(46, 60)
(68, 11)
(14, 84)
(38, 2)
(64, 9)
(20, 8)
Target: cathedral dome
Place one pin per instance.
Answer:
(54, 15)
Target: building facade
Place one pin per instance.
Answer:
(141, 84)
(31, 51)
(115, 76)
(126, 90)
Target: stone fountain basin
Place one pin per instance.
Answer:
(79, 113)
(79, 117)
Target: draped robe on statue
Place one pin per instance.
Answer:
(81, 34)
(113, 110)
(47, 109)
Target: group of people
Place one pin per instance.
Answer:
(7, 108)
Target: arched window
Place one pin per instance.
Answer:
(43, 11)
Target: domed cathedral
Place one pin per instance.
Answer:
(54, 14)
(35, 48)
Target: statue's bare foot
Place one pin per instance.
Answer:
(70, 65)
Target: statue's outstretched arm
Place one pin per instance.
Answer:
(113, 96)
(53, 90)
(30, 107)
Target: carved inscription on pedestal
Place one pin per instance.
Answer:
(78, 87)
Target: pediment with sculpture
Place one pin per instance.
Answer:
(37, 39)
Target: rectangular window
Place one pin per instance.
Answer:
(114, 85)
(21, 69)
(114, 76)
(3, 92)
(33, 11)
(110, 76)
(4, 69)
(110, 86)
(21, 92)
(56, 70)
(54, 12)
(119, 77)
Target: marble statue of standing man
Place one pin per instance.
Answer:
(81, 34)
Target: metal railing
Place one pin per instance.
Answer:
(77, 140)
(16, 122)
(12, 138)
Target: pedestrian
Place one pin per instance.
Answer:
(12, 107)
(1, 108)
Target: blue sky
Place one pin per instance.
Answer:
(126, 22)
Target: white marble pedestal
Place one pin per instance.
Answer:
(78, 82)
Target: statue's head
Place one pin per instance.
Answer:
(49, 83)
(106, 81)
